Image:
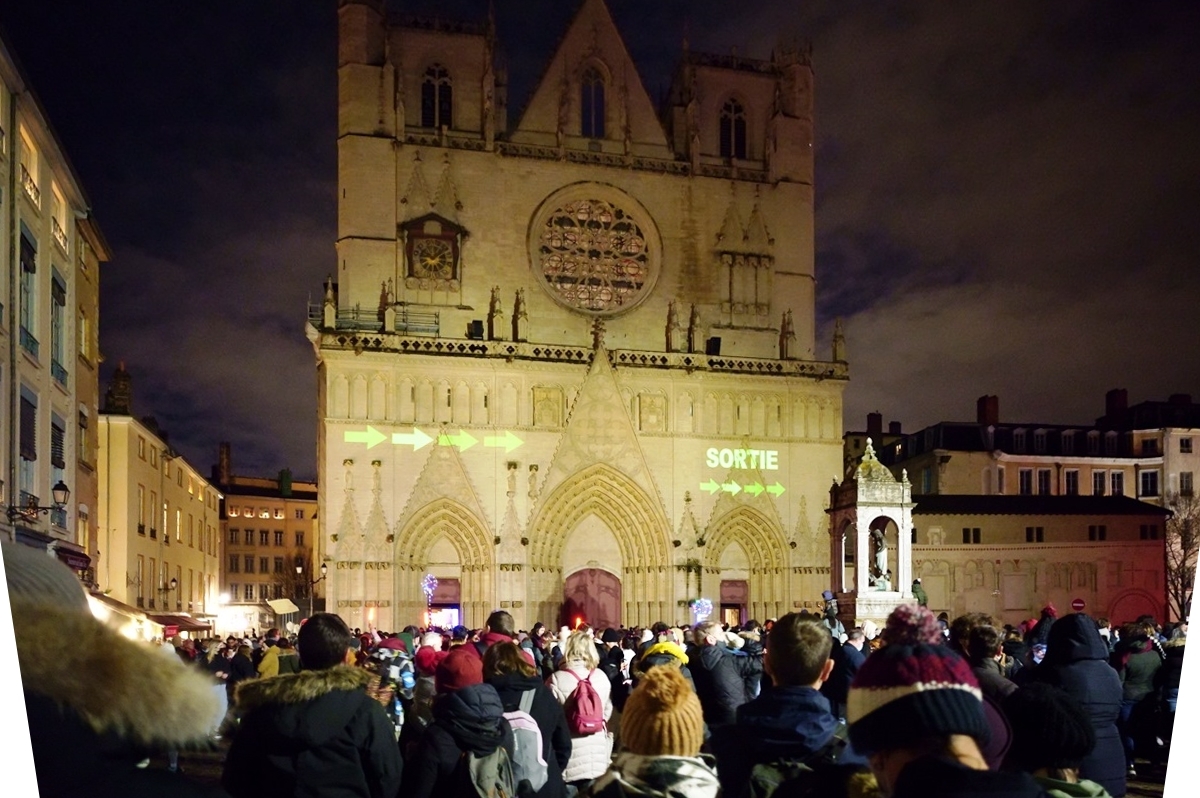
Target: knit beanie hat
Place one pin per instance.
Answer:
(1051, 729)
(36, 577)
(460, 668)
(662, 716)
(913, 688)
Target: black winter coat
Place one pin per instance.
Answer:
(548, 713)
(936, 777)
(1077, 661)
(720, 679)
(312, 733)
(470, 719)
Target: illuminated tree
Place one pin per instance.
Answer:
(1183, 543)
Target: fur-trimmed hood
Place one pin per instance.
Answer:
(299, 688)
(116, 685)
(310, 706)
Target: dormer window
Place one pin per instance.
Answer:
(437, 98)
(1039, 441)
(733, 130)
(591, 103)
(1018, 437)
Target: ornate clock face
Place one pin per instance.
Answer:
(594, 250)
(432, 258)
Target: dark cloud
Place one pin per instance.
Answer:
(1005, 192)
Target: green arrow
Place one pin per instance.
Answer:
(732, 487)
(371, 437)
(776, 490)
(754, 489)
(417, 439)
(711, 486)
(463, 440)
(507, 441)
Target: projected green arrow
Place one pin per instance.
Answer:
(463, 440)
(417, 439)
(732, 487)
(776, 490)
(712, 486)
(754, 489)
(371, 437)
(507, 441)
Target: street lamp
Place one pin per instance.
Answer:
(167, 589)
(312, 584)
(30, 510)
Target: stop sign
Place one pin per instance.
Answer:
(1078, 605)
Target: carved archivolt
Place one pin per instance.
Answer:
(641, 528)
(762, 540)
(460, 526)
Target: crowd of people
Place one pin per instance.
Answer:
(796, 706)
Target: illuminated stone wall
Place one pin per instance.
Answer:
(477, 423)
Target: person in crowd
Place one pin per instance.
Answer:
(919, 593)
(916, 712)
(720, 678)
(847, 659)
(612, 662)
(419, 713)
(315, 732)
(1106, 632)
(1016, 653)
(1167, 683)
(791, 720)
(1137, 659)
(241, 669)
(871, 635)
(665, 652)
(287, 658)
(1040, 632)
(662, 730)
(1052, 735)
(500, 628)
(468, 717)
(657, 633)
(984, 652)
(507, 670)
(960, 630)
(590, 754)
(96, 702)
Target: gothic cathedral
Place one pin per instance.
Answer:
(567, 365)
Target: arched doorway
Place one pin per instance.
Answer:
(591, 596)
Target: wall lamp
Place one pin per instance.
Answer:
(32, 509)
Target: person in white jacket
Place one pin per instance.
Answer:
(591, 754)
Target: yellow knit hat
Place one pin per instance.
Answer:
(662, 716)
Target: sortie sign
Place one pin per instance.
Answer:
(765, 459)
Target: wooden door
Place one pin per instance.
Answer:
(592, 596)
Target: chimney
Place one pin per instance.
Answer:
(875, 423)
(1116, 403)
(987, 410)
(894, 428)
(224, 463)
(285, 482)
(118, 399)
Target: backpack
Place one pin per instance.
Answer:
(584, 709)
(487, 776)
(528, 764)
(815, 775)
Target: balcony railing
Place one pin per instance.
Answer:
(30, 186)
(58, 517)
(58, 372)
(410, 322)
(28, 342)
(153, 533)
(60, 235)
(142, 530)
(28, 499)
(141, 602)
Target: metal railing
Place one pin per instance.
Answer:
(58, 517)
(60, 235)
(58, 372)
(30, 186)
(28, 342)
(409, 322)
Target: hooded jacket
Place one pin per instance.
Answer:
(789, 722)
(658, 776)
(720, 680)
(312, 733)
(938, 777)
(551, 721)
(466, 720)
(1077, 661)
(100, 703)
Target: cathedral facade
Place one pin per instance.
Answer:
(567, 366)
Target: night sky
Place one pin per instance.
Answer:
(1006, 193)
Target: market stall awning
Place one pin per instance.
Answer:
(283, 606)
(184, 623)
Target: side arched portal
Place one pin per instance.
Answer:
(444, 520)
(765, 547)
(641, 530)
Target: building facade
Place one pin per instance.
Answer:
(51, 251)
(159, 542)
(568, 364)
(272, 548)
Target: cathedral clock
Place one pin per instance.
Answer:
(432, 251)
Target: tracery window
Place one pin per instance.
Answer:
(594, 256)
(733, 130)
(437, 95)
(591, 91)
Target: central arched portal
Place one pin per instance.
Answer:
(591, 596)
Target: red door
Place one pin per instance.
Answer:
(592, 596)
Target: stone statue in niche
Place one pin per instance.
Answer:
(880, 569)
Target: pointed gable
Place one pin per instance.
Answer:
(592, 44)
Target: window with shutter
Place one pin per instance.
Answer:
(57, 440)
(28, 429)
